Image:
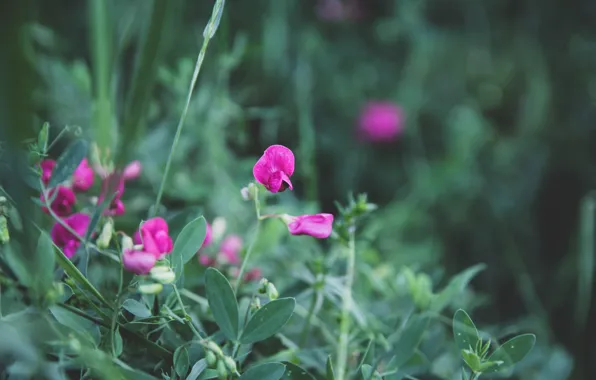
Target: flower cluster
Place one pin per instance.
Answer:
(62, 199)
(273, 170)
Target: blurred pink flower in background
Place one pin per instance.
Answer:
(206, 260)
(83, 176)
(253, 275)
(155, 238)
(138, 261)
(274, 169)
(110, 185)
(339, 10)
(132, 170)
(318, 225)
(208, 236)
(64, 199)
(65, 239)
(380, 121)
(230, 248)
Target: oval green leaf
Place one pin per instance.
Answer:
(188, 242)
(294, 372)
(464, 331)
(181, 361)
(268, 320)
(409, 339)
(68, 162)
(511, 352)
(267, 371)
(136, 308)
(329, 369)
(197, 369)
(222, 302)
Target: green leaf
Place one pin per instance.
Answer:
(585, 261)
(181, 361)
(512, 351)
(367, 373)
(197, 369)
(42, 138)
(76, 275)
(294, 372)
(471, 359)
(329, 369)
(188, 242)
(118, 346)
(68, 162)
(457, 284)
(208, 374)
(409, 339)
(136, 308)
(267, 371)
(84, 327)
(44, 265)
(268, 320)
(222, 302)
(464, 332)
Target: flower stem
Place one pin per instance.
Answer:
(247, 257)
(186, 316)
(342, 351)
(306, 327)
(212, 26)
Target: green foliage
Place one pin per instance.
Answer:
(268, 320)
(222, 303)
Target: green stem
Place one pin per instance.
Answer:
(211, 26)
(117, 302)
(342, 351)
(247, 257)
(187, 319)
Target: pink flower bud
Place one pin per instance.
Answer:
(230, 248)
(69, 243)
(274, 169)
(47, 166)
(318, 226)
(63, 201)
(137, 261)
(207, 261)
(83, 176)
(132, 170)
(381, 122)
(154, 237)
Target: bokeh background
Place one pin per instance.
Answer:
(495, 163)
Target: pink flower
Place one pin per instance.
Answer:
(230, 249)
(64, 239)
(132, 170)
(63, 201)
(318, 226)
(138, 261)
(83, 176)
(207, 261)
(381, 122)
(154, 237)
(274, 168)
(110, 185)
(47, 166)
(253, 275)
(208, 236)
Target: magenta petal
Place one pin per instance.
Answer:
(208, 236)
(274, 169)
(132, 170)
(319, 226)
(83, 176)
(281, 158)
(138, 262)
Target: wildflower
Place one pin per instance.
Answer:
(154, 237)
(208, 236)
(83, 176)
(47, 166)
(132, 170)
(138, 261)
(65, 239)
(207, 261)
(253, 275)
(274, 169)
(318, 225)
(113, 183)
(64, 199)
(380, 122)
(230, 248)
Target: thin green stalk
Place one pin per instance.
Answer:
(101, 55)
(306, 327)
(209, 31)
(118, 298)
(187, 319)
(342, 351)
(247, 257)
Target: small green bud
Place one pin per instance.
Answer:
(263, 285)
(272, 292)
(255, 304)
(42, 138)
(222, 371)
(211, 359)
(163, 274)
(126, 242)
(150, 288)
(230, 364)
(103, 241)
(212, 346)
(4, 234)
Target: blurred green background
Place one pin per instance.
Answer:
(495, 164)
